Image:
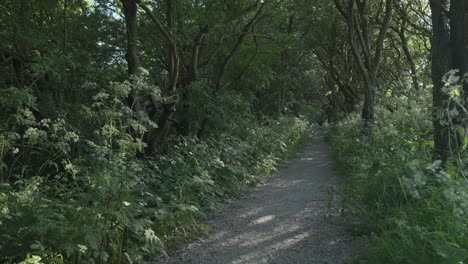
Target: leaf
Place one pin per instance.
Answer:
(37, 246)
(451, 252)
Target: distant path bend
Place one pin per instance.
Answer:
(284, 221)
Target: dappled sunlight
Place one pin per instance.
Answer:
(292, 241)
(287, 214)
(257, 240)
(237, 240)
(250, 213)
(286, 241)
(263, 219)
(219, 235)
(251, 258)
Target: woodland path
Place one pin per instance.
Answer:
(286, 220)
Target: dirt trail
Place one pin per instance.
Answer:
(283, 221)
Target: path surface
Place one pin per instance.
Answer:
(284, 221)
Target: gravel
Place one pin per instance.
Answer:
(293, 218)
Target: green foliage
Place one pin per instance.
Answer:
(77, 192)
(415, 210)
(211, 109)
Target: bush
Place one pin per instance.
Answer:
(78, 192)
(415, 210)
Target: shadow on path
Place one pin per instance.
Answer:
(287, 220)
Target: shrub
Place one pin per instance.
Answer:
(414, 209)
(78, 192)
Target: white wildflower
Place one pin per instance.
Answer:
(82, 248)
(150, 235)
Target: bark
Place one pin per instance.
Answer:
(360, 37)
(169, 35)
(440, 65)
(403, 10)
(130, 12)
(282, 83)
(220, 80)
(459, 37)
(247, 29)
(173, 57)
(19, 49)
(332, 99)
(418, 9)
(284, 69)
(409, 58)
(193, 69)
(449, 51)
(170, 98)
(338, 73)
(202, 34)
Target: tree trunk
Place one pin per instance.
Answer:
(130, 12)
(449, 51)
(409, 58)
(459, 39)
(360, 37)
(368, 108)
(172, 57)
(459, 51)
(247, 29)
(170, 98)
(157, 138)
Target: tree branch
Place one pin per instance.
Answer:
(382, 34)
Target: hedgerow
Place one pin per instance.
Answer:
(81, 192)
(414, 209)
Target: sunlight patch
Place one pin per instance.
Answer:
(292, 241)
(263, 219)
(250, 213)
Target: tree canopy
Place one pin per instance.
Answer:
(131, 118)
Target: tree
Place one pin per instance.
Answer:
(449, 51)
(360, 35)
(130, 9)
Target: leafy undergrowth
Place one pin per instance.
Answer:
(75, 189)
(415, 211)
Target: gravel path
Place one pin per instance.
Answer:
(293, 218)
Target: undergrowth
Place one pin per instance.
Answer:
(75, 188)
(415, 210)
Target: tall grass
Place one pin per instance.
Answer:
(414, 210)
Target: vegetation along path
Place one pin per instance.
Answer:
(293, 218)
